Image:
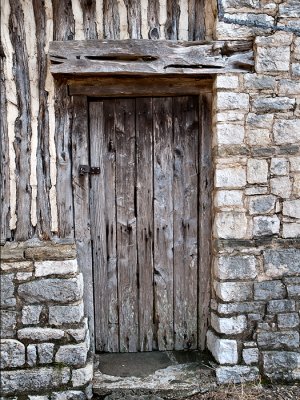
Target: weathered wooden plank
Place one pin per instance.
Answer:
(109, 165)
(185, 198)
(134, 18)
(80, 155)
(138, 57)
(196, 20)
(43, 156)
(163, 221)
(144, 200)
(4, 185)
(63, 20)
(142, 86)
(126, 224)
(172, 23)
(98, 227)
(89, 18)
(153, 19)
(205, 217)
(111, 19)
(24, 229)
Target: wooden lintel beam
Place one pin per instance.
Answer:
(146, 57)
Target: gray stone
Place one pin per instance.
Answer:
(260, 121)
(57, 290)
(229, 198)
(281, 306)
(265, 226)
(51, 252)
(273, 104)
(281, 186)
(68, 395)
(294, 291)
(261, 204)
(234, 291)
(286, 131)
(240, 3)
(291, 208)
(289, 87)
(8, 323)
(12, 353)
(31, 355)
(281, 365)
(46, 268)
(296, 70)
(231, 225)
(236, 267)
(229, 326)
(59, 315)
(226, 82)
(295, 163)
(282, 262)
(269, 290)
(250, 191)
(290, 320)
(45, 352)
(36, 379)
(232, 101)
(242, 308)
(236, 374)
(290, 9)
(31, 315)
(16, 266)
(259, 82)
(77, 334)
(7, 290)
(38, 398)
(231, 177)
(279, 166)
(250, 355)
(258, 137)
(82, 376)
(291, 230)
(74, 355)
(278, 340)
(40, 334)
(23, 276)
(223, 350)
(230, 134)
(257, 171)
(272, 59)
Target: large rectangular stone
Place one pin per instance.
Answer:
(257, 171)
(284, 262)
(242, 308)
(259, 82)
(223, 350)
(230, 325)
(46, 268)
(278, 340)
(234, 291)
(235, 267)
(23, 380)
(269, 290)
(231, 225)
(291, 230)
(59, 315)
(40, 334)
(7, 290)
(273, 104)
(230, 177)
(286, 131)
(279, 306)
(8, 323)
(236, 374)
(72, 354)
(230, 134)
(16, 266)
(261, 204)
(291, 208)
(272, 59)
(12, 353)
(232, 101)
(229, 198)
(51, 252)
(281, 365)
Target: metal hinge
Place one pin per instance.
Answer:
(86, 169)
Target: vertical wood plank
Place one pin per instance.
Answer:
(196, 20)
(134, 18)
(24, 229)
(98, 226)
(63, 20)
(153, 19)
(163, 221)
(111, 19)
(185, 197)
(109, 165)
(144, 200)
(172, 23)
(205, 218)
(126, 224)
(80, 155)
(89, 18)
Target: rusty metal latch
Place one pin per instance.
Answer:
(86, 169)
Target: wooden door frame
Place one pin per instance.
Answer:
(81, 90)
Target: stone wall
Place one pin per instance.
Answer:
(44, 333)
(256, 272)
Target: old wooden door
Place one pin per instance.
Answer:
(145, 222)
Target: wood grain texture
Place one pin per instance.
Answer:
(89, 18)
(134, 18)
(63, 20)
(153, 20)
(172, 23)
(196, 29)
(205, 216)
(185, 216)
(144, 204)
(111, 19)
(126, 224)
(163, 221)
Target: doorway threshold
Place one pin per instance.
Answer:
(153, 375)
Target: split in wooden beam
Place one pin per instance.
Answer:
(147, 57)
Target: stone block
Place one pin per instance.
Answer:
(46, 268)
(230, 177)
(279, 166)
(295, 163)
(257, 171)
(7, 290)
(281, 186)
(286, 131)
(31, 355)
(230, 134)
(272, 59)
(31, 315)
(40, 334)
(295, 70)
(291, 208)
(250, 355)
(23, 276)
(227, 82)
(223, 350)
(231, 225)
(278, 340)
(234, 291)
(260, 121)
(289, 87)
(240, 3)
(265, 226)
(36, 379)
(261, 204)
(77, 334)
(82, 376)
(283, 262)
(269, 290)
(230, 325)
(290, 320)
(74, 355)
(296, 185)
(289, 9)
(56, 290)
(51, 252)
(259, 82)
(232, 101)
(258, 137)
(278, 39)
(281, 365)
(236, 374)
(250, 191)
(273, 104)
(45, 352)
(229, 198)
(281, 306)
(69, 395)
(293, 287)
(16, 266)
(242, 308)
(291, 230)
(38, 398)
(12, 353)
(8, 324)
(59, 315)
(235, 267)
